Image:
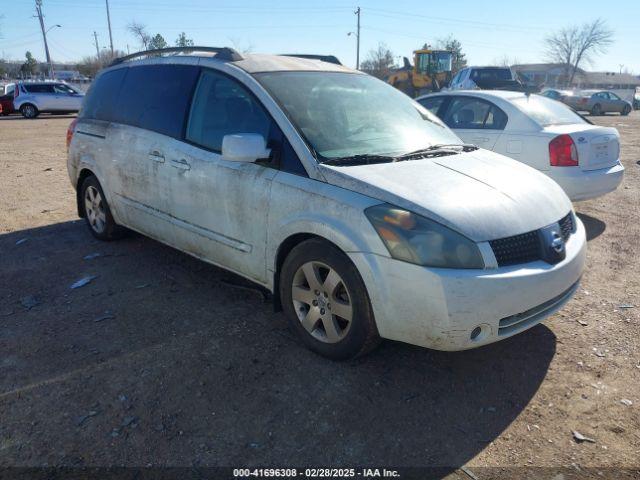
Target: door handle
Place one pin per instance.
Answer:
(181, 164)
(156, 156)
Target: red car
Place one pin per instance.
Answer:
(6, 99)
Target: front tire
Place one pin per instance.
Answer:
(326, 301)
(96, 211)
(626, 110)
(29, 111)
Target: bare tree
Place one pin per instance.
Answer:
(240, 46)
(577, 44)
(139, 31)
(91, 65)
(505, 61)
(379, 62)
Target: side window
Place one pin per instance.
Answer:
(455, 79)
(473, 113)
(10, 90)
(432, 104)
(156, 97)
(39, 88)
(102, 96)
(221, 106)
(613, 96)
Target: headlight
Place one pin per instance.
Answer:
(415, 239)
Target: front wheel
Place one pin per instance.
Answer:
(96, 211)
(326, 302)
(29, 111)
(626, 110)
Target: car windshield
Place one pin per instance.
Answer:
(546, 111)
(345, 114)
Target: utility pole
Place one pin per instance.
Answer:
(44, 36)
(357, 12)
(109, 23)
(95, 37)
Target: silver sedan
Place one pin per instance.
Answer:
(598, 102)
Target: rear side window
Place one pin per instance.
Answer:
(39, 88)
(432, 104)
(221, 106)
(156, 97)
(473, 113)
(102, 96)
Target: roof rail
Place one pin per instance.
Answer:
(222, 53)
(323, 58)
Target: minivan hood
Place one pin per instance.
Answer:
(481, 194)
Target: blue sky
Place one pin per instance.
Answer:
(488, 30)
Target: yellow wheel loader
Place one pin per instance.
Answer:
(430, 72)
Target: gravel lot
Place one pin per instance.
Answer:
(164, 360)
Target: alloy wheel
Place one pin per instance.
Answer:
(322, 302)
(29, 111)
(95, 209)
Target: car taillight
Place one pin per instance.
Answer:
(563, 152)
(70, 131)
(584, 100)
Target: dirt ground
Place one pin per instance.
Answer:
(163, 360)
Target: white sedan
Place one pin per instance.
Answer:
(584, 159)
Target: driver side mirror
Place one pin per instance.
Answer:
(244, 147)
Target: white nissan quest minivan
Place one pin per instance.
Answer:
(361, 211)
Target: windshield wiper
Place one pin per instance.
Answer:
(438, 150)
(363, 159)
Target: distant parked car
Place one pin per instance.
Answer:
(554, 94)
(32, 99)
(485, 78)
(544, 134)
(6, 99)
(598, 102)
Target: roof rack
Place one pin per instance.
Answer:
(323, 58)
(222, 53)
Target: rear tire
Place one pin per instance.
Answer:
(29, 111)
(326, 301)
(626, 110)
(596, 111)
(96, 211)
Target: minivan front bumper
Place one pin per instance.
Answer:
(447, 309)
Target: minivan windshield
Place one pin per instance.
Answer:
(546, 111)
(346, 114)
